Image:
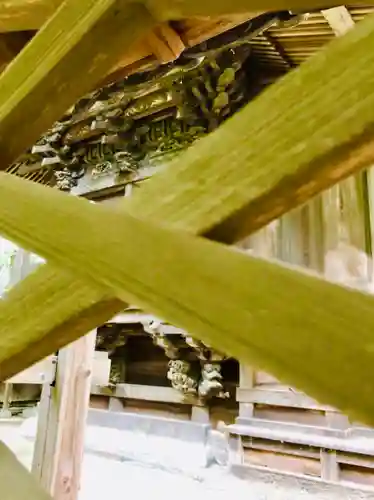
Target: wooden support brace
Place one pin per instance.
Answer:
(63, 412)
(261, 193)
(16, 482)
(269, 331)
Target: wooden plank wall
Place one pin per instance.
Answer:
(333, 235)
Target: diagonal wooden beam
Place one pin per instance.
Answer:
(297, 138)
(172, 9)
(61, 63)
(16, 481)
(302, 335)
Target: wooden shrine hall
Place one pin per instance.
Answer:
(196, 179)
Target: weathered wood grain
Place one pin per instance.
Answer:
(289, 334)
(72, 394)
(60, 64)
(24, 15)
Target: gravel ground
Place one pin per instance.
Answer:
(103, 477)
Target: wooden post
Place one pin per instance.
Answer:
(263, 243)
(62, 417)
(5, 411)
(246, 381)
(329, 465)
(20, 268)
(325, 223)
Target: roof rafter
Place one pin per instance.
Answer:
(20, 15)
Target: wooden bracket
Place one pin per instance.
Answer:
(165, 43)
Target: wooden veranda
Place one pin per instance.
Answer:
(304, 134)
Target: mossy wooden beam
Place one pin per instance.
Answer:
(173, 9)
(16, 481)
(283, 148)
(205, 288)
(24, 15)
(61, 63)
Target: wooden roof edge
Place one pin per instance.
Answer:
(23, 15)
(161, 45)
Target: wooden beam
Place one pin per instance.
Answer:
(278, 397)
(58, 50)
(24, 15)
(59, 445)
(169, 45)
(171, 9)
(195, 31)
(165, 43)
(43, 372)
(293, 343)
(16, 482)
(143, 393)
(257, 187)
(20, 15)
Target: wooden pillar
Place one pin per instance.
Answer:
(7, 394)
(246, 381)
(62, 418)
(325, 231)
(329, 466)
(264, 244)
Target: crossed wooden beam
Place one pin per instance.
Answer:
(302, 135)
